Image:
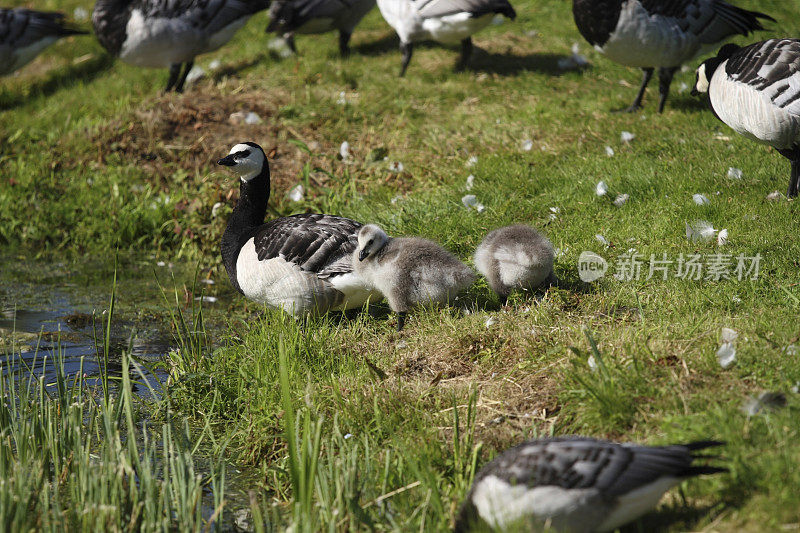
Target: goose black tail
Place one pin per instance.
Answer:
(742, 20)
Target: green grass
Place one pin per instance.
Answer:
(109, 162)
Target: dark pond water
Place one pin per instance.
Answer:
(48, 308)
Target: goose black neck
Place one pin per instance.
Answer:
(247, 216)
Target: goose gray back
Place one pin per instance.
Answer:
(289, 17)
(300, 263)
(652, 34)
(576, 484)
(756, 91)
(445, 21)
(169, 33)
(24, 33)
(515, 257)
(408, 271)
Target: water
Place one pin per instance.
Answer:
(47, 309)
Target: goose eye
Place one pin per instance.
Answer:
(369, 242)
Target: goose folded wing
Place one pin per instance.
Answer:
(772, 67)
(476, 8)
(207, 14)
(322, 244)
(310, 9)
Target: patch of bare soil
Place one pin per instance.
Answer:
(191, 131)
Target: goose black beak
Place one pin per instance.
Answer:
(362, 255)
(227, 161)
(695, 92)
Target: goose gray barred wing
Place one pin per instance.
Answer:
(291, 14)
(583, 463)
(710, 20)
(440, 8)
(771, 66)
(317, 243)
(22, 27)
(212, 14)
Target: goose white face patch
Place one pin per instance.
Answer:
(249, 161)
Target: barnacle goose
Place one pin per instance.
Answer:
(300, 263)
(515, 257)
(318, 16)
(756, 91)
(408, 271)
(169, 33)
(660, 33)
(576, 484)
(445, 21)
(25, 33)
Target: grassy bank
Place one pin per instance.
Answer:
(392, 425)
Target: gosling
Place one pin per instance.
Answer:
(408, 271)
(515, 257)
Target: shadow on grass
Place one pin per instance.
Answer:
(512, 64)
(683, 517)
(388, 43)
(688, 103)
(240, 66)
(56, 80)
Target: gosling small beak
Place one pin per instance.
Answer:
(362, 255)
(227, 161)
(695, 92)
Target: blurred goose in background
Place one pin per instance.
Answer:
(661, 34)
(515, 257)
(24, 33)
(289, 17)
(756, 91)
(408, 271)
(445, 21)
(169, 33)
(301, 263)
(576, 484)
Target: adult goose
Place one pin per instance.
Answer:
(289, 17)
(756, 91)
(300, 263)
(576, 484)
(661, 34)
(169, 33)
(445, 21)
(24, 33)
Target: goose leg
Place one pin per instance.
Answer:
(174, 72)
(186, 68)
(401, 320)
(664, 81)
(407, 49)
(466, 53)
(344, 43)
(637, 104)
(289, 38)
(793, 181)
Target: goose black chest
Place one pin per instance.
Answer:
(301, 263)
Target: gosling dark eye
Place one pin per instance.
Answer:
(369, 242)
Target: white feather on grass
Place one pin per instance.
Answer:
(735, 173)
(601, 189)
(297, 193)
(700, 199)
(700, 231)
(620, 200)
